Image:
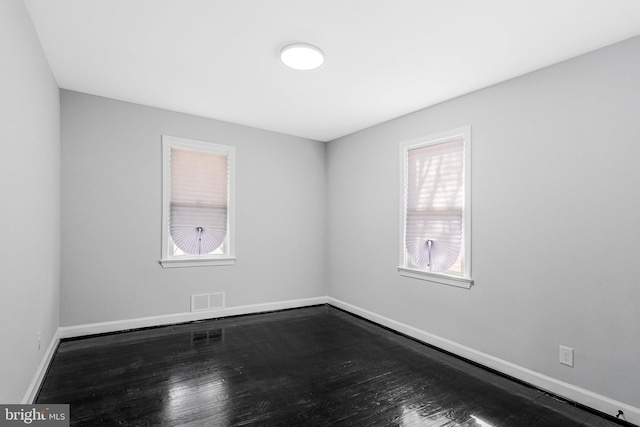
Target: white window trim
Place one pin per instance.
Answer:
(440, 278)
(169, 260)
(464, 281)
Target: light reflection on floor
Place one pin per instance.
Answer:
(193, 395)
(480, 422)
(414, 417)
(211, 392)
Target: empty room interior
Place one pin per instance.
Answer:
(322, 226)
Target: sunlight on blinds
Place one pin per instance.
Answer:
(435, 199)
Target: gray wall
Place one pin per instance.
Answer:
(30, 194)
(111, 214)
(555, 235)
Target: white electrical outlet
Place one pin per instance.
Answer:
(566, 355)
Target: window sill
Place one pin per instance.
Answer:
(459, 282)
(196, 262)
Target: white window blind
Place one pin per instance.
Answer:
(199, 196)
(434, 207)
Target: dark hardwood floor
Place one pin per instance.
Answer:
(309, 367)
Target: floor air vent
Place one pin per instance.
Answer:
(205, 302)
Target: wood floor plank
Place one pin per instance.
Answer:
(310, 367)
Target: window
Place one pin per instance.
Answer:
(197, 203)
(435, 210)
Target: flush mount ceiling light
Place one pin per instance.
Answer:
(301, 56)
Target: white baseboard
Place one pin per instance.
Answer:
(168, 319)
(30, 395)
(544, 382)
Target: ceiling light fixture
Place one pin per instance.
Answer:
(302, 56)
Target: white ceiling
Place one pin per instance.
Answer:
(384, 58)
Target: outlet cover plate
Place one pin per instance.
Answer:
(566, 355)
